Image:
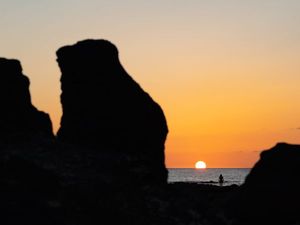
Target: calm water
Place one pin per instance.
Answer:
(211, 176)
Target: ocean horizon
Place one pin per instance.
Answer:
(209, 175)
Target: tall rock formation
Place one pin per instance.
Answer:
(20, 121)
(106, 112)
(25, 136)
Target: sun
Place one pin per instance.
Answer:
(200, 165)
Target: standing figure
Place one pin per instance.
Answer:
(221, 180)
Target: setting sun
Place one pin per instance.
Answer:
(200, 165)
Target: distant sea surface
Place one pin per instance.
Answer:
(208, 176)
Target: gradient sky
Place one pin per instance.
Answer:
(226, 73)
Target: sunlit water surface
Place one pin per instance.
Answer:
(208, 176)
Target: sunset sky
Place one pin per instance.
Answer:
(226, 72)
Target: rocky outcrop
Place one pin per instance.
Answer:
(270, 194)
(20, 121)
(106, 113)
(27, 188)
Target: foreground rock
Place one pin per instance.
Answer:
(25, 132)
(109, 119)
(29, 194)
(26, 187)
(20, 121)
(270, 194)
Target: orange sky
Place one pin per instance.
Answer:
(225, 72)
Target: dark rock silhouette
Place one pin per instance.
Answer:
(109, 115)
(26, 187)
(20, 121)
(270, 193)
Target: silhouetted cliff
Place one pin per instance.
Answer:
(109, 115)
(20, 121)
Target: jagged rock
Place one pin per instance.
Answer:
(107, 113)
(270, 193)
(20, 121)
(27, 188)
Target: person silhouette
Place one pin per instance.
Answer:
(221, 179)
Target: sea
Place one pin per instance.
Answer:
(209, 175)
